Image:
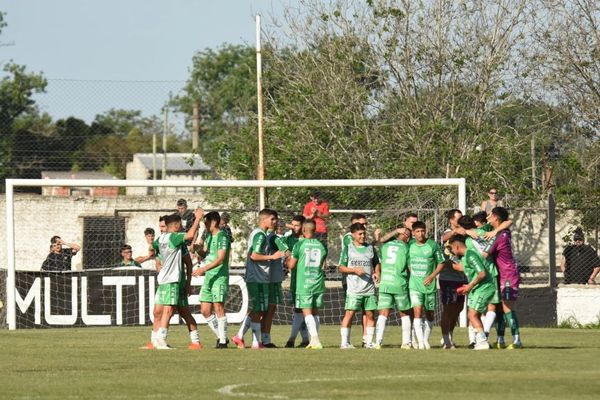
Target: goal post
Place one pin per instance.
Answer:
(456, 191)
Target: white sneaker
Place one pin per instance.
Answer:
(347, 346)
(482, 345)
(421, 346)
(162, 345)
(406, 346)
(370, 346)
(426, 345)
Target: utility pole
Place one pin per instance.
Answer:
(533, 166)
(195, 126)
(164, 145)
(260, 173)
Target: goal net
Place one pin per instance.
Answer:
(97, 218)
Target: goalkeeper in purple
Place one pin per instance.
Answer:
(500, 249)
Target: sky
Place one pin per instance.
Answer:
(126, 54)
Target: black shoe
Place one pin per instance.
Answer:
(289, 345)
(303, 345)
(221, 345)
(471, 345)
(270, 346)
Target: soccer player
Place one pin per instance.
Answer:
(500, 248)
(298, 324)
(275, 244)
(481, 287)
(215, 269)
(257, 277)
(171, 280)
(360, 262)
(393, 289)
(450, 280)
(409, 220)
(425, 263)
(308, 258)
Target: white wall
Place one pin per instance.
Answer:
(578, 304)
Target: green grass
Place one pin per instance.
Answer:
(105, 363)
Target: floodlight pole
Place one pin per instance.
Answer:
(260, 173)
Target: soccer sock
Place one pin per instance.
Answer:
(297, 321)
(370, 333)
(428, 329)
(380, 328)
(266, 338)
(488, 321)
(500, 328)
(417, 324)
(318, 322)
(153, 336)
(345, 332)
(212, 324)
(447, 340)
(311, 325)
(222, 327)
(162, 334)
(256, 335)
(244, 327)
(472, 334)
(194, 336)
(406, 329)
(512, 321)
(481, 337)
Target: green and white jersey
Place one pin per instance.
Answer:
(291, 241)
(473, 264)
(422, 261)
(346, 240)
(275, 244)
(170, 247)
(220, 241)
(394, 267)
(364, 257)
(257, 271)
(310, 277)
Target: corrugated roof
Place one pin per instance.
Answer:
(175, 161)
(76, 175)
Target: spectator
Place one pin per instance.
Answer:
(147, 261)
(580, 263)
(60, 255)
(317, 209)
(225, 218)
(491, 202)
(127, 257)
(187, 215)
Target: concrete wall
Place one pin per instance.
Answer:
(578, 304)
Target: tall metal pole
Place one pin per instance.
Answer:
(533, 166)
(260, 173)
(164, 146)
(195, 125)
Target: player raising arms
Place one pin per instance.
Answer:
(425, 263)
(215, 269)
(500, 249)
(308, 258)
(393, 289)
(172, 283)
(481, 287)
(257, 277)
(360, 262)
(298, 324)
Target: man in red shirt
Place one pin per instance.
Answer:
(317, 209)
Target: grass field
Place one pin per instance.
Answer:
(105, 363)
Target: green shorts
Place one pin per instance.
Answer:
(275, 293)
(479, 300)
(425, 300)
(168, 294)
(355, 302)
(214, 289)
(259, 296)
(496, 298)
(391, 300)
(309, 300)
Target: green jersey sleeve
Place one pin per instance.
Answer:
(475, 261)
(280, 243)
(223, 242)
(344, 257)
(258, 243)
(296, 251)
(438, 255)
(176, 239)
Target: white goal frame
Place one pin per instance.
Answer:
(459, 183)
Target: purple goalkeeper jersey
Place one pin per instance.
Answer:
(501, 251)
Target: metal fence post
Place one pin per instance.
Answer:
(551, 240)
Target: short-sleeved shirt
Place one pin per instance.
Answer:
(323, 208)
(275, 244)
(214, 243)
(310, 277)
(500, 251)
(257, 271)
(394, 267)
(580, 263)
(131, 263)
(364, 257)
(422, 261)
(474, 263)
(59, 261)
(449, 273)
(170, 247)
